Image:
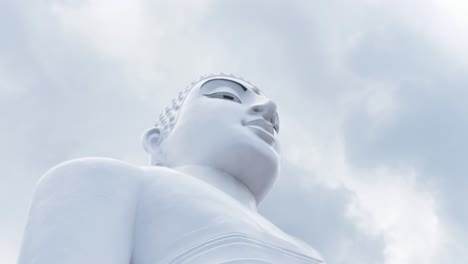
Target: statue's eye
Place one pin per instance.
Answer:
(225, 96)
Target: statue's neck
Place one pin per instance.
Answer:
(222, 181)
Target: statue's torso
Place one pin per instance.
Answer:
(183, 220)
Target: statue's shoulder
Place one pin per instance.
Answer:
(78, 206)
(83, 173)
(91, 166)
(106, 174)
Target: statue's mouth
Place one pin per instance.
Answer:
(263, 129)
(263, 124)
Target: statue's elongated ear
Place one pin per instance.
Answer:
(152, 140)
(152, 144)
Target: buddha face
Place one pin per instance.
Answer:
(228, 125)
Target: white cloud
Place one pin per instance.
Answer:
(392, 204)
(387, 201)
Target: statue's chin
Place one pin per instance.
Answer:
(256, 166)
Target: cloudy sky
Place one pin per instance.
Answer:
(371, 94)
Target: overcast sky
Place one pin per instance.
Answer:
(372, 98)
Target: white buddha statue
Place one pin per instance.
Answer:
(214, 156)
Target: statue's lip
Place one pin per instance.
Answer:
(263, 124)
(262, 129)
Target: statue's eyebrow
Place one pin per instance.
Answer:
(214, 83)
(242, 86)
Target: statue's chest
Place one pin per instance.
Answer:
(226, 235)
(195, 228)
(240, 248)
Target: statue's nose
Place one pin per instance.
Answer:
(267, 109)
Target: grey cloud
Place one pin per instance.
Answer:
(429, 127)
(319, 215)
